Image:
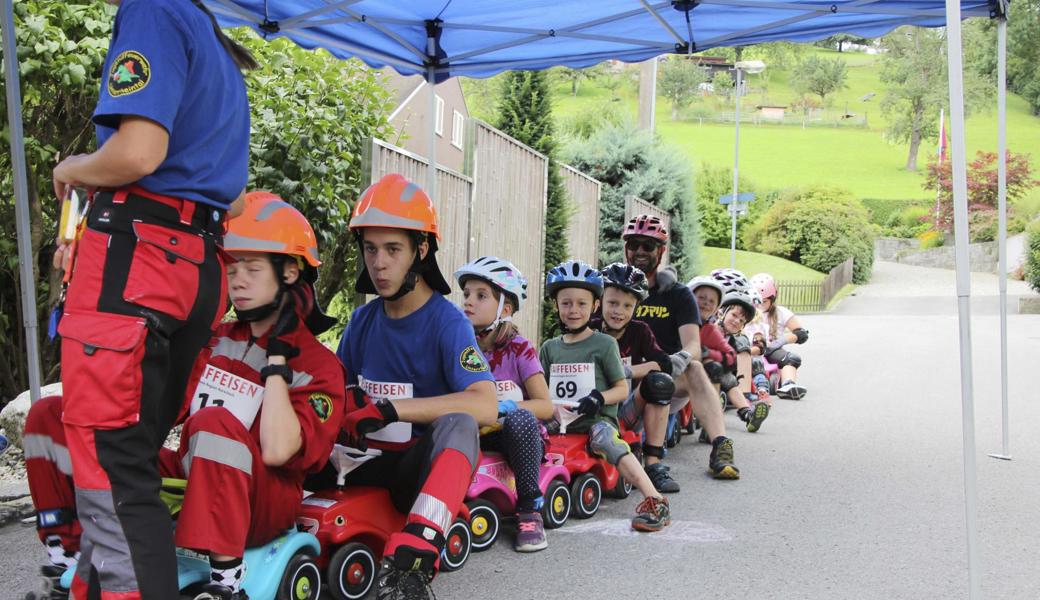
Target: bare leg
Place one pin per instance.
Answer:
(634, 474)
(744, 372)
(789, 373)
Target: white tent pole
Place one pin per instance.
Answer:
(27, 276)
(431, 94)
(1002, 227)
(960, 224)
(736, 163)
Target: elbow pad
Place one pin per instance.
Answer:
(740, 343)
(801, 334)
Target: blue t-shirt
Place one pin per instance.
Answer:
(430, 352)
(166, 64)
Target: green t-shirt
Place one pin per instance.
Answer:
(601, 351)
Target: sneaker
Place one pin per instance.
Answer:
(755, 415)
(720, 463)
(219, 591)
(51, 585)
(790, 390)
(652, 514)
(663, 482)
(530, 535)
(407, 572)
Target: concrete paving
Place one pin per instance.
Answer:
(854, 492)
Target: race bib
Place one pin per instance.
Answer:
(568, 383)
(509, 390)
(217, 387)
(395, 433)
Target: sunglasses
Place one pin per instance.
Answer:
(647, 246)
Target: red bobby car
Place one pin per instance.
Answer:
(353, 524)
(590, 475)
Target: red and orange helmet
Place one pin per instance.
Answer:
(270, 224)
(647, 226)
(395, 202)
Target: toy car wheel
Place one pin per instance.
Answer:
(691, 426)
(457, 545)
(774, 383)
(352, 571)
(587, 494)
(557, 506)
(484, 524)
(673, 435)
(302, 579)
(621, 489)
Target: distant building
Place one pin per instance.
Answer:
(771, 113)
(409, 117)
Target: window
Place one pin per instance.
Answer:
(458, 123)
(438, 119)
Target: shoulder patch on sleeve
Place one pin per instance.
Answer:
(130, 72)
(472, 361)
(322, 405)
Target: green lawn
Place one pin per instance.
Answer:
(752, 262)
(787, 156)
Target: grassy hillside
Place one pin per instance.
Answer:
(786, 156)
(752, 262)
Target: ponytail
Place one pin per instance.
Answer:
(242, 58)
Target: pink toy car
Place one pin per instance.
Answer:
(492, 495)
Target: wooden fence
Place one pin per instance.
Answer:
(583, 227)
(637, 206)
(814, 296)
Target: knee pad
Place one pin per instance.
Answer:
(657, 388)
(605, 443)
(786, 358)
(728, 381)
(740, 343)
(655, 451)
(758, 366)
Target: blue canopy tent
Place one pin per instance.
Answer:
(479, 38)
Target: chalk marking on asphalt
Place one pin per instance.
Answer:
(678, 531)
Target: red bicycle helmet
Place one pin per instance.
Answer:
(646, 226)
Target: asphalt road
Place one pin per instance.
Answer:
(854, 492)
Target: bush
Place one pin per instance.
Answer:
(883, 210)
(716, 223)
(982, 226)
(818, 227)
(931, 239)
(1032, 273)
(629, 161)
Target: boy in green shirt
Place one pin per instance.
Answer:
(584, 371)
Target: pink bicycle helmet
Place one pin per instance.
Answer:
(765, 284)
(647, 226)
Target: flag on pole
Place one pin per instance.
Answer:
(942, 135)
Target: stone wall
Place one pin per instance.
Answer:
(982, 257)
(888, 248)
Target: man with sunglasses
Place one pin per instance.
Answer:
(672, 314)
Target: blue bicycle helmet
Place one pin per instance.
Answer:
(573, 273)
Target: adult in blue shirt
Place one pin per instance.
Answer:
(148, 283)
(422, 385)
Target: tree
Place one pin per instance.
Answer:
(914, 69)
(576, 76)
(722, 85)
(840, 40)
(304, 105)
(820, 76)
(982, 184)
(629, 161)
(678, 82)
(711, 183)
(525, 112)
(1023, 66)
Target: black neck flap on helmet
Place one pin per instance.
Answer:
(425, 267)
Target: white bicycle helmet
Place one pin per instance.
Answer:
(731, 280)
(704, 280)
(498, 272)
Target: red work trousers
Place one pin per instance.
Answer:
(148, 285)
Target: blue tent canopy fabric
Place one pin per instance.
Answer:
(480, 38)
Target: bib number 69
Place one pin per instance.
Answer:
(566, 389)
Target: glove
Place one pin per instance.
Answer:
(590, 405)
(366, 417)
(801, 334)
(680, 360)
(505, 407)
(713, 369)
(278, 343)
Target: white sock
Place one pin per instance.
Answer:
(57, 553)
